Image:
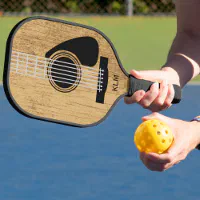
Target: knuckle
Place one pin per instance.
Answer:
(159, 102)
(137, 98)
(145, 105)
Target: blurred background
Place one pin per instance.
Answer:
(141, 30)
(85, 7)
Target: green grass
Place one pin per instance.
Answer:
(141, 42)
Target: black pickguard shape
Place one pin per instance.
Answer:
(86, 50)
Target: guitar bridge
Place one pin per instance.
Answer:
(102, 80)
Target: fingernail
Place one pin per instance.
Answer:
(156, 84)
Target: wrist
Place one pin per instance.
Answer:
(172, 73)
(195, 129)
(182, 66)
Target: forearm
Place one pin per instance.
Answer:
(184, 58)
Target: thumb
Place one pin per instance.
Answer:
(158, 116)
(150, 75)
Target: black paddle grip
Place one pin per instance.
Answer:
(140, 84)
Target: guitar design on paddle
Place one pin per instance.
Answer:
(65, 72)
(67, 66)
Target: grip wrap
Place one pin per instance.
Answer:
(140, 84)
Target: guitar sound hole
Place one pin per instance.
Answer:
(64, 73)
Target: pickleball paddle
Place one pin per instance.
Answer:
(65, 72)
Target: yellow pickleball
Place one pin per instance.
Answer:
(153, 136)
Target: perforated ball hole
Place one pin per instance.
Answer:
(163, 141)
(166, 131)
(154, 126)
(158, 132)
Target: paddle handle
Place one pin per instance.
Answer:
(140, 84)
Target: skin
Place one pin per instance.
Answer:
(182, 63)
(181, 66)
(186, 138)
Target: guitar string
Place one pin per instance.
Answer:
(39, 61)
(62, 82)
(84, 82)
(63, 66)
(45, 67)
(83, 77)
(52, 60)
(80, 84)
(49, 59)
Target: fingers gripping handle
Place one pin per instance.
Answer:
(140, 84)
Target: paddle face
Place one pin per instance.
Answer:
(62, 72)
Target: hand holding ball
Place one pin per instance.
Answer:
(153, 136)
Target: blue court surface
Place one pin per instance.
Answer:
(46, 161)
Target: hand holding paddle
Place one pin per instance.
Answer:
(160, 96)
